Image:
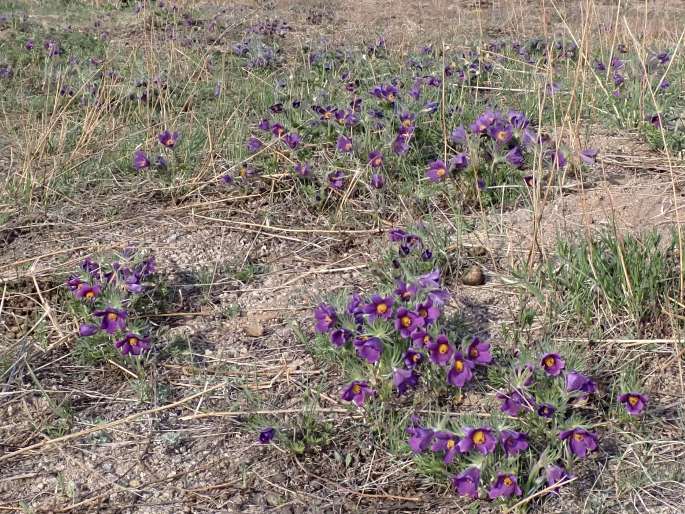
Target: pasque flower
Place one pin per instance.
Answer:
(555, 474)
(340, 336)
(87, 330)
(369, 348)
(412, 358)
(133, 344)
(479, 352)
(344, 144)
(87, 291)
(546, 410)
(505, 486)
(407, 322)
(266, 435)
(326, 317)
(375, 159)
(580, 441)
(169, 139)
(441, 351)
(446, 442)
(466, 483)
(404, 379)
(634, 402)
(481, 439)
(512, 403)
(460, 371)
(379, 307)
(357, 391)
(513, 442)
(437, 170)
(576, 381)
(420, 438)
(140, 160)
(553, 364)
(112, 319)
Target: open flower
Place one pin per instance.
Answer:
(460, 371)
(466, 483)
(580, 441)
(446, 442)
(112, 319)
(459, 162)
(379, 307)
(505, 486)
(344, 144)
(429, 312)
(404, 379)
(253, 144)
(634, 402)
(552, 363)
(133, 344)
(375, 159)
(357, 392)
(169, 139)
(589, 155)
(406, 322)
(421, 339)
(87, 291)
(420, 438)
(336, 180)
(412, 358)
(437, 170)
(546, 410)
(481, 439)
(377, 181)
(326, 317)
(340, 336)
(513, 442)
(292, 140)
(140, 160)
(479, 352)
(441, 351)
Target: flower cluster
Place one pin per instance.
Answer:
(105, 292)
(142, 160)
(402, 336)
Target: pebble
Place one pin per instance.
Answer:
(254, 329)
(474, 276)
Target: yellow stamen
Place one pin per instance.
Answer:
(549, 362)
(440, 172)
(405, 321)
(507, 481)
(459, 365)
(450, 444)
(473, 352)
(443, 348)
(133, 341)
(578, 437)
(381, 308)
(633, 400)
(356, 389)
(478, 437)
(112, 316)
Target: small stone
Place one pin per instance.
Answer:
(134, 483)
(254, 329)
(474, 276)
(273, 500)
(476, 251)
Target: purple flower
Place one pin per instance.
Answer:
(483, 122)
(517, 119)
(513, 442)
(267, 435)
(336, 180)
(340, 336)
(377, 181)
(505, 486)
(396, 235)
(556, 474)
(385, 92)
(264, 125)
(87, 291)
(357, 392)
(459, 162)
(344, 144)
(278, 130)
(169, 139)
(404, 291)
(303, 170)
(253, 144)
(441, 351)
(133, 344)
(501, 132)
(87, 330)
(580, 441)
(466, 483)
(479, 352)
(436, 171)
(140, 160)
(481, 439)
(292, 140)
(589, 155)
(29, 44)
(404, 379)
(546, 410)
(556, 158)
(515, 157)
(379, 307)
(407, 120)
(634, 402)
(420, 438)
(407, 322)
(458, 135)
(112, 319)
(446, 442)
(369, 348)
(412, 358)
(421, 339)
(552, 363)
(428, 311)
(375, 159)
(460, 371)
(512, 403)
(576, 381)
(326, 317)
(325, 113)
